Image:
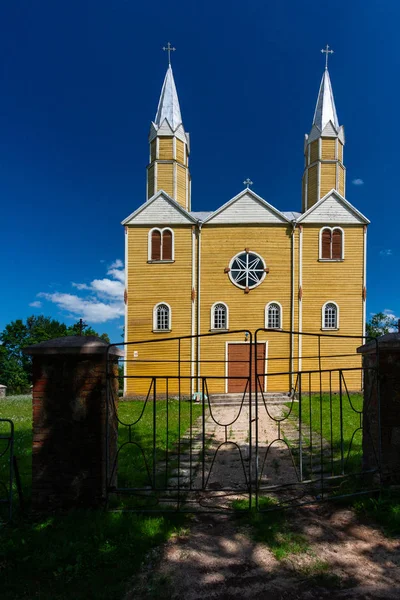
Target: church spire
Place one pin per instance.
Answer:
(323, 148)
(169, 145)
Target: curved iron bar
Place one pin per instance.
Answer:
(348, 396)
(240, 407)
(131, 443)
(8, 445)
(351, 442)
(266, 456)
(215, 456)
(291, 400)
(143, 409)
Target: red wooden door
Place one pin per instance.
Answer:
(238, 366)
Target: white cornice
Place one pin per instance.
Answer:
(153, 199)
(341, 200)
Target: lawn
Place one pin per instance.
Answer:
(322, 415)
(85, 554)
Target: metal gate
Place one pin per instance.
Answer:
(290, 433)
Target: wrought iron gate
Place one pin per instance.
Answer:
(184, 443)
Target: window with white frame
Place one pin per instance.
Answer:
(219, 316)
(331, 243)
(330, 316)
(162, 317)
(273, 316)
(161, 245)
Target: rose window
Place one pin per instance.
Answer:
(247, 270)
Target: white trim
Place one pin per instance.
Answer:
(323, 316)
(155, 179)
(149, 245)
(280, 315)
(174, 147)
(157, 148)
(319, 169)
(166, 197)
(155, 330)
(332, 229)
(126, 311)
(212, 316)
(199, 307)
(193, 313)
(306, 193)
(255, 197)
(266, 362)
(175, 182)
(300, 317)
(341, 199)
(365, 282)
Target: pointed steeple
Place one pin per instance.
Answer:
(168, 105)
(323, 148)
(325, 109)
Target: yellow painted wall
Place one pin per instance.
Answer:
(328, 148)
(153, 150)
(150, 182)
(245, 310)
(180, 152)
(328, 178)
(342, 283)
(314, 151)
(341, 180)
(181, 185)
(165, 148)
(165, 177)
(312, 188)
(340, 151)
(149, 284)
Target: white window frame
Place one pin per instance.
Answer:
(149, 246)
(155, 329)
(212, 326)
(280, 314)
(323, 316)
(331, 229)
(243, 287)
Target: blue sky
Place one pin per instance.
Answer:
(79, 85)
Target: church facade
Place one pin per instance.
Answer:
(244, 266)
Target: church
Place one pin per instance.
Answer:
(198, 282)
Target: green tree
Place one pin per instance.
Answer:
(16, 367)
(380, 324)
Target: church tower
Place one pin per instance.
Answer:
(168, 169)
(323, 148)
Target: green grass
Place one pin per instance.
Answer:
(85, 554)
(272, 528)
(385, 510)
(325, 419)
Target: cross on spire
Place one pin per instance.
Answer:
(169, 49)
(326, 51)
(248, 182)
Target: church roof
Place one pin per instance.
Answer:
(325, 109)
(168, 105)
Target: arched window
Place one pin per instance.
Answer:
(331, 243)
(162, 317)
(330, 316)
(219, 316)
(161, 245)
(273, 316)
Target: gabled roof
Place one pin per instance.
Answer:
(251, 208)
(325, 109)
(161, 209)
(168, 105)
(333, 208)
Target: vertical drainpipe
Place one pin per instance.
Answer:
(199, 226)
(292, 309)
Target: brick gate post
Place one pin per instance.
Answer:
(70, 426)
(381, 425)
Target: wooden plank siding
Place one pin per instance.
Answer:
(328, 178)
(165, 178)
(312, 189)
(181, 186)
(328, 148)
(219, 244)
(340, 151)
(314, 151)
(341, 180)
(149, 284)
(340, 282)
(150, 181)
(180, 152)
(153, 150)
(165, 148)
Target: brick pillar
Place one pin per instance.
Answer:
(69, 421)
(385, 357)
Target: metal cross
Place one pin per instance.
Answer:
(169, 49)
(326, 51)
(80, 326)
(248, 182)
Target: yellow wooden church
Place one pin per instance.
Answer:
(244, 266)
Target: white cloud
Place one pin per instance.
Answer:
(358, 181)
(36, 304)
(104, 302)
(386, 252)
(390, 313)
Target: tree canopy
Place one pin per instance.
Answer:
(16, 367)
(380, 324)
